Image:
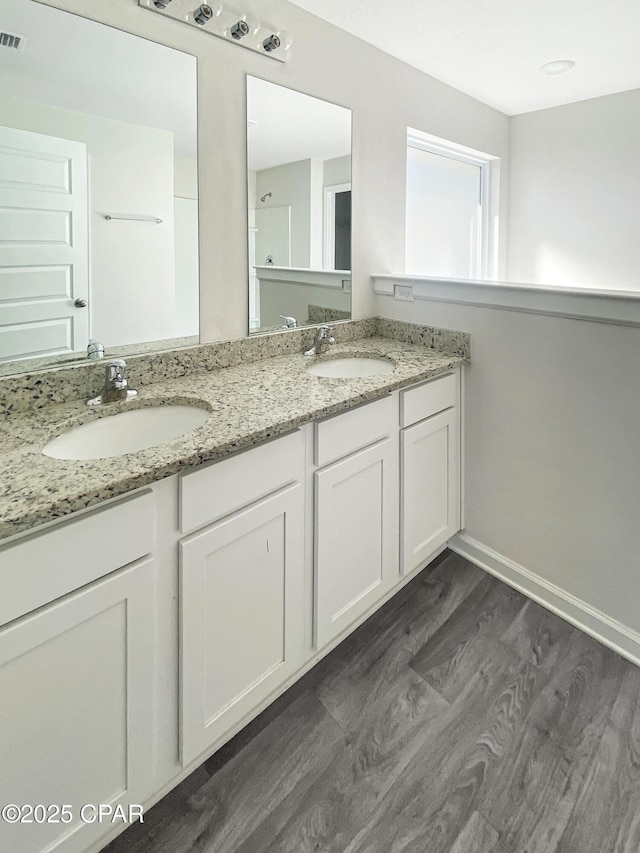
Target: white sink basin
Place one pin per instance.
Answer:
(350, 368)
(126, 432)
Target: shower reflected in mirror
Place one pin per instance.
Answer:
(299, 203)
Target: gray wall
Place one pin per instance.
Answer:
(574, 212)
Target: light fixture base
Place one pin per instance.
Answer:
(221, 25)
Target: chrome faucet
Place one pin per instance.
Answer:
(95, 349)
(322, 341)
(115, 384)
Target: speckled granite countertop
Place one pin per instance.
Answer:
(249, 403)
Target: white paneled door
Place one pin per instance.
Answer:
(43, 245)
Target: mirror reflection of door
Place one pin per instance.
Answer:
(43, 245)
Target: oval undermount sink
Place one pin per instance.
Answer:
(126, 432)
(352, 367)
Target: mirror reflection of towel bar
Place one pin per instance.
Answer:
(133, 217)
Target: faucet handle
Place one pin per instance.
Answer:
(325, 331)
(115, 369)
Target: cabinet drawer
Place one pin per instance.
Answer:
(221, 488)
(48, 565)
(343, 434)
(419, 403)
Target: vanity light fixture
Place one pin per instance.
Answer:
(12, 41)
(228, 21)
(557, 66)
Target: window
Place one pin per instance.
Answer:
(448, 210)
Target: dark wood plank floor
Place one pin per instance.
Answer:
(461, 718)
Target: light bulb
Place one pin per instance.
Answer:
(252, 22)
(207, 11)
(203, 14)
(271, 43)
(285, 39)
(248, 24)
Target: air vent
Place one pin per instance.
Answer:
(12, 41)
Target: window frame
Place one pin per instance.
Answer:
(487, 248)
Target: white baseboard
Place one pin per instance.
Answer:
(598, 625)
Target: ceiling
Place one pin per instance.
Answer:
(492, 49)
(286, 126)
(119, 76)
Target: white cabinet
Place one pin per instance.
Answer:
(75, 710)
(119, 670)
(241, 589)
(356, 532)
(430, 471)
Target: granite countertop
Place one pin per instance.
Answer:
(249, 403)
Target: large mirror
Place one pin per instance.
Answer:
(299, 188)
(98, 190)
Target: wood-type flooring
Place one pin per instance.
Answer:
(460, 718)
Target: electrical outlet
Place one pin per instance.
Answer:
(403, 292)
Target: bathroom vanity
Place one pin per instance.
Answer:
(141, 632)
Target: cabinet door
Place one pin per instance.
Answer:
(75, 710)
(356, 536)
(242, 615)
(430, 497)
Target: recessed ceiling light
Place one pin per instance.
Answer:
(558, 66)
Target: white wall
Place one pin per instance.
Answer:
(331, 64)
(130, 263)
(187, 281)
(574, 214)
(186, 321)
(552, 466)
(337, 171)
(185, 173)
